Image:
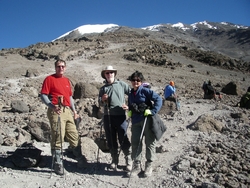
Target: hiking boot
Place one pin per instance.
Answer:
(129, 163)
(58, 168)
(136, 169)
(113, 166)
(114, 163)
(58, 163)
(148, 169)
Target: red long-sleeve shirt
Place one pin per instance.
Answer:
(54, 86)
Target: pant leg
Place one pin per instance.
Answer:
(136, 130)
(122, 127)
(110, 132)
(71, 132)
(150, 141)
(171, 98)
(55, 128)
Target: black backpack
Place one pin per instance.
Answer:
(245, 101)
(209, 90)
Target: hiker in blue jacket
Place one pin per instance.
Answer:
(170, 92)
(140, 105)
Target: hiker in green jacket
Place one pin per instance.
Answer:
(112, 98)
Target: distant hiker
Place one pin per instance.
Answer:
(112, 97)
(170, 92)
(140, 107)
(245, 100)
(209, 91)
(56, 93)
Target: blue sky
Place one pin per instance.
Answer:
(26, 22)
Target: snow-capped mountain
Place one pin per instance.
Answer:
(100, 28)
(225, 38)
(86, 29)
(195, 26)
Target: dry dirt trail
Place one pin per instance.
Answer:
(174, 142)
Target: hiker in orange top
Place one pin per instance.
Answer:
(169, 92)
(55, 87)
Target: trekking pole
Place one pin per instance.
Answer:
(110, 129)
(137, 151)
(97, 158)
(60, 99)
(177, 103)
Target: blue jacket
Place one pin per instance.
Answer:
(169, 91)
(144, 95)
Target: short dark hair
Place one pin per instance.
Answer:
(138, 75)
(60, 61)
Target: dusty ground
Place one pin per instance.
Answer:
(176, 140)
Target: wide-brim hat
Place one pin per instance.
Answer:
(108, 68)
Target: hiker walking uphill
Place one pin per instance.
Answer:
(112, 98)
(209, 91)
(56, 93)
(245, 100)
(140, 107)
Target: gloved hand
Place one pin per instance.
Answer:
(129, 113)
(147, 112)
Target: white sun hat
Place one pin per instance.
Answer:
(108, 68)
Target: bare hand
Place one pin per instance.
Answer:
(76, 116)
(125, 107)
(57, 110)
(105, 98)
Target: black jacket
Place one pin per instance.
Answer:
(158, 126)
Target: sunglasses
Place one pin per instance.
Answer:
(60, 67)
(137, 80)
(109, 72)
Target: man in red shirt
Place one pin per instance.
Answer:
(56, 93)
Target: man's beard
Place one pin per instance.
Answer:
(110, 80)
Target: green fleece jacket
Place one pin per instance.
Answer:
(116, 92)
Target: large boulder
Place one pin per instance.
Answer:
(19, 106)
(40, 130)
(231, 89)
(85, 90)
(26, 156)
(90, 150)
(207, 123)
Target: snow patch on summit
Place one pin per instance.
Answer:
(97, 28)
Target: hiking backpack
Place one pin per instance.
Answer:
(245, 101)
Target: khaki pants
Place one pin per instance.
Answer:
(68, 128)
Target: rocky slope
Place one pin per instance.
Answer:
(206, 143)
